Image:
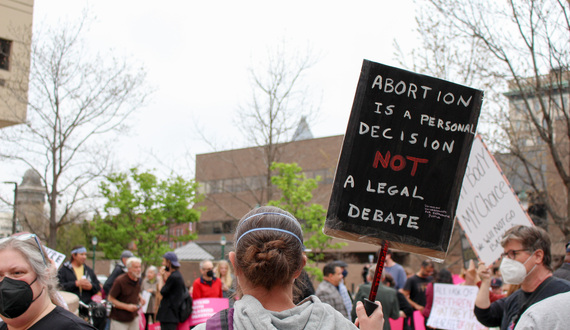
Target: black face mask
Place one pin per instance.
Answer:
(210, 273)
(15, 297)
(166, 268)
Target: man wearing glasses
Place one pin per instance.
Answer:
(76, 277)
(525, 261)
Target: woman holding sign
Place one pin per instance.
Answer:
(268, 258)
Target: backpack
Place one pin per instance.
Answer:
(185, 309)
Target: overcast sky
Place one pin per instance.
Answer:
(197, 55)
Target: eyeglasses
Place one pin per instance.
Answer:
(512, 254)
(26, 237)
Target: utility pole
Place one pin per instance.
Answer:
(15, 203)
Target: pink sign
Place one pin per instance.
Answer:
(204, 308)
(398, 324)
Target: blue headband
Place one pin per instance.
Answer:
(273, 229)
(79, 250)
(274, 213)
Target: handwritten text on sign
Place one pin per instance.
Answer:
(487, 207)
(403, 157)
(57, 257)
(453, 307)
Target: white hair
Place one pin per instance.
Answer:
(131, 260)
(151, 268)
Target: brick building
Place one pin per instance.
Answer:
(233, 182)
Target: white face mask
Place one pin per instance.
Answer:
(513, 271)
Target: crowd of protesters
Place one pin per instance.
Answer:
(521, 292)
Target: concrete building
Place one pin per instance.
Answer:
(31, 203)
(530, 167)
(15, 40)
(5, 224)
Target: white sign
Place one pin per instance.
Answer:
(146, 297)
(57, 257)
(453, 307)
(487, 206)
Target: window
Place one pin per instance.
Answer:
(5, 47)
(217, 227)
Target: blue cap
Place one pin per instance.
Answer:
(126, 254)
(172, 257)
(496, 282)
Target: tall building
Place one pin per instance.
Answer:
(541, 104)
(5, 224)
(15, 40)
(31, 203)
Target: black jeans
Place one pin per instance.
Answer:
(168, 326)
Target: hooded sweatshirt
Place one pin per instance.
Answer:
(310, 313)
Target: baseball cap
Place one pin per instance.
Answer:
(172, 257)
(126, 254)
(496, 282)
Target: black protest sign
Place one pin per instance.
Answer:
(402, 161)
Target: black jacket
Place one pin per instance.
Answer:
(67, 278)
(171, 298)
(118, 270)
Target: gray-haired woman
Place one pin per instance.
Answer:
(150, 285)
(28, 288)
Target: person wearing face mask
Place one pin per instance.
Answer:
(207, 285)
(172, 292)
(126, 298)
(346, 298)
(28, 288)
(525, 261)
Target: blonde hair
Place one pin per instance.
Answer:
(226, 279)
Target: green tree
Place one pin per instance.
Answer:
(139, 210)
(71, 235)
(296, 194)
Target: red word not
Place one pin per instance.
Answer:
(397, 162)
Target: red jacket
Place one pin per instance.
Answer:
(201, 289)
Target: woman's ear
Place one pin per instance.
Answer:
(298, 273)
(232, 256)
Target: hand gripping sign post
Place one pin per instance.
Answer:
(402, 161)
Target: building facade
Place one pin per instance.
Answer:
(15, 41)
(539, 146)
(233, 180)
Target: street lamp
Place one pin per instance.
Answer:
(15, 203)
(94, 242)
(223, 244)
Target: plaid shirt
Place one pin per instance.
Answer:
(329, 294)
(345, 298)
